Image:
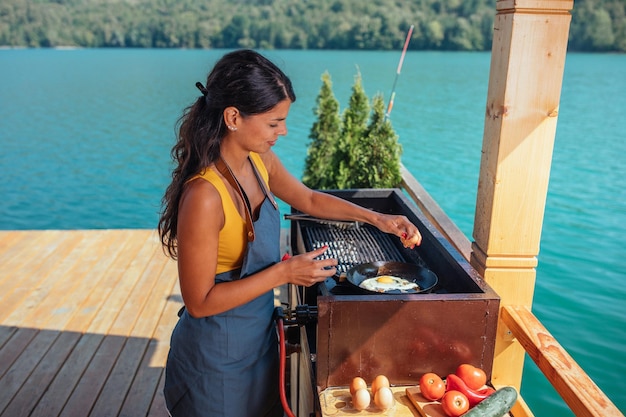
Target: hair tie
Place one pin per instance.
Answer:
(203, 90)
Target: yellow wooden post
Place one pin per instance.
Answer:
(527, 62)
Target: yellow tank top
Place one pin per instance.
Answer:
(232, 238)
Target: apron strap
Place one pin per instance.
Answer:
(263, 185)
(228, 174)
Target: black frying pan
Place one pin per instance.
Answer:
(425, 278)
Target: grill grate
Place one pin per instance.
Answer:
(351, 246)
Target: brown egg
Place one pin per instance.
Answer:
(357, 383)
(383, 399)
(379, 381)
(361, 399)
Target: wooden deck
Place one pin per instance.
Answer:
(85, 321)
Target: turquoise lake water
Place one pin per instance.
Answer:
(85, 137)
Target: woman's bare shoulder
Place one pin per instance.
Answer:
(200, 199)
(270, 160)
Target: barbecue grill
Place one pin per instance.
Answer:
(402, 335)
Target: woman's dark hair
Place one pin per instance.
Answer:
(243, 79)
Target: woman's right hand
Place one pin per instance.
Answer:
(305, 270)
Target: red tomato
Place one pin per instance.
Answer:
(473, 377)
(432, 386)
(454, 403)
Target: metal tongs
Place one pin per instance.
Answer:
(336, 223)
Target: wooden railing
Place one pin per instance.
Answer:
(578, 391)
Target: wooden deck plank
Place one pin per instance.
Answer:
(116, 318)
(10, 239)
(19, 247)
(35, 386)
(49, 306)
(21, 369)
(13, 348)
(90, 306)
(146, 384)
(115, 303)
(150, 316)
(92, 380)
(81, 285)
(33, 254)
(62, 291)
(137, 299)
(158, 408)
(119, 383)
(128, 243)
(14, 256)
(6, 333)
(113, 393)
(66, 379)
(85, 322)
(162, 336)
(27, 286)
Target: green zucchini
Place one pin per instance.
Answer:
(496, 405)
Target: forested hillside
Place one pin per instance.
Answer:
(597, 25)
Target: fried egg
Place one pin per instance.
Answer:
(386, 283)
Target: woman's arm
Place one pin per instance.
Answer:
(323, 205)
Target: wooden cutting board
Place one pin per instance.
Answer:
(337, 402)
(408, 402)
(425, 407)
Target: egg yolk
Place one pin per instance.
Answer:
(385, 279)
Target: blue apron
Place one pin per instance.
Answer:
(227, 365)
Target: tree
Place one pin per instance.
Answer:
(350, 152)
(600, 34)
(324, 136)
(597, 25)
(380, 165)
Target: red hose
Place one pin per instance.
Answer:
(281, 376)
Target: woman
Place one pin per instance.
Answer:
(221, 222)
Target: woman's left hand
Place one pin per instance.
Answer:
(400, 226)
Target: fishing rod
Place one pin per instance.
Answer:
(395, 81)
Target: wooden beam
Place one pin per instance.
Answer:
(527, 63)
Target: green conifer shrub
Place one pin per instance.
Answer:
(325, 134)
(359, 150)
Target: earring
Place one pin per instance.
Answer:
(233, 128)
